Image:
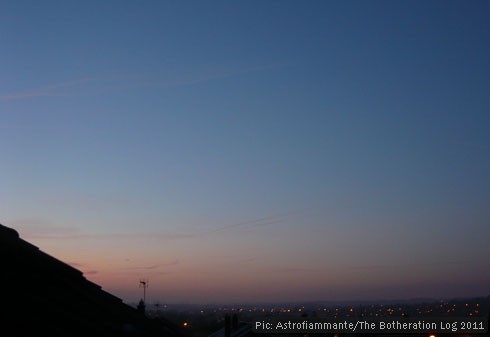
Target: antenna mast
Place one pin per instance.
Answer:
(144, 285)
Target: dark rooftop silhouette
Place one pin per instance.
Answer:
(234, 328)
(42, 296)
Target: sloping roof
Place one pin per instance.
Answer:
(42, 296)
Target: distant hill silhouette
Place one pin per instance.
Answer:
(42, 296)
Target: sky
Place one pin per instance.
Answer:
(241, 151)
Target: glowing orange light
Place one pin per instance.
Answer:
(432, 336)
(185, 324)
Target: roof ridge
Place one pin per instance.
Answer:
(8, 232)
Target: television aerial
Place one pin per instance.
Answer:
(144, 285)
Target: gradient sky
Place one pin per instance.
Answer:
(251, 150)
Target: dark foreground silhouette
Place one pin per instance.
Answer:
(42, 296)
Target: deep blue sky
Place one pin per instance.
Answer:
(288, 149)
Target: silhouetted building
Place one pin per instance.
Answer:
(42, 296)
(141, 306)
(234, 328)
